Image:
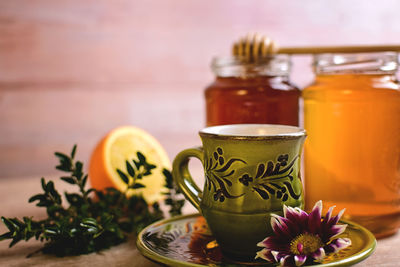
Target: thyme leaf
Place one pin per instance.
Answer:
(91, 220)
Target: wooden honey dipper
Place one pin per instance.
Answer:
(255, 46)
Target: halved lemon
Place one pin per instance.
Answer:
(120, 145)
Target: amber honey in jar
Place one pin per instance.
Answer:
(252, 92)
(352, 152)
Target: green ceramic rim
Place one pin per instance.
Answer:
(293, 132)
(353, 259)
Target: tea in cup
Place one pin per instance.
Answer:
(251, 171)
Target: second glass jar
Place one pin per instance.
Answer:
(352, 153)
(252, 92)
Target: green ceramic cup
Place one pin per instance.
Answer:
(251, 171)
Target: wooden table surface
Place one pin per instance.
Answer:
(14, 195)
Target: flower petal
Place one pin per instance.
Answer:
(276, 255)
(265, 242)
(277, 217)
(265, 254)
(292, 214)
(336, 219)
(280, 227)
(343, 242)
(337, 244)
(286, 210)
(271, 243)
(314, 218)
(274, 223)
(319, 255)
(337, 229)
(318, 206)
(341, 213)
(285, 261)
(300, 259)
(298, 217)
(298, 226)
(328, 214)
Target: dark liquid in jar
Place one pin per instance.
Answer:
(263, 99)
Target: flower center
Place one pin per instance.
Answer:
(305, 244)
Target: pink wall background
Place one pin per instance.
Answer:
(71, 70)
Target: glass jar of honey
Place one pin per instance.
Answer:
(252, 92)
(352, 153)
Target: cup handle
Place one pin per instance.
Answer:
(182, 177)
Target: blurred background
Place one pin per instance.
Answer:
(71, 70)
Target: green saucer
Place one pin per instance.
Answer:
(187, 241)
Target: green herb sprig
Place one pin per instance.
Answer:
(92, 220)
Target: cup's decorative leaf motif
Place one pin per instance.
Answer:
(246, 179)
(274, 180)
(216, 176)
(270, 180)
(262, 193)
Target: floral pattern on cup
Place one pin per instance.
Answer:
(270, 180)
(217, 175)
(273, 180)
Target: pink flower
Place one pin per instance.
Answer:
(301, 238)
